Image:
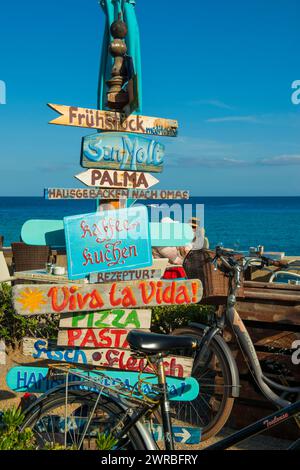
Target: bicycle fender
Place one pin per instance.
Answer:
(213, 335)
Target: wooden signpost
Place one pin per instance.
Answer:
(115, 193)
(39, 299)
(108, 358)
(117, 318)
(108, 241)
(36, 380)
(116, 179)
(116, 151)
(113, 121)
(51, 233)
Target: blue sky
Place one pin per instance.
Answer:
(223, 69)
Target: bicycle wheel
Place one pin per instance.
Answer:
(57, 425)
(211, 409)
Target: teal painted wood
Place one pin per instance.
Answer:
(184, 435)
(51, 233)
(117, 151)
(108, 241)
(111, 9)
(34, 380)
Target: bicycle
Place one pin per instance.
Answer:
(214, 366)
(57, 416)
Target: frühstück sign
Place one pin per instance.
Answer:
(116, 151)
(114, 240)
(93, 338)
(118, 318)
(38, 299)
(114, 193)
(116, 178)
(113, 121)
(110, 358)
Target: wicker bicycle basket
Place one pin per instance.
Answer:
(198, 265)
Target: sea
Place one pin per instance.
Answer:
(235, 222)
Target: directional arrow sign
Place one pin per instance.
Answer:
(112, 121)
(184, 435)
(117, 179)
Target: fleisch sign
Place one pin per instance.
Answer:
(58, 298)
(114, 193)
(116, 151)
(113, 121)
(109, 358)
(116, 178)
(108, 241)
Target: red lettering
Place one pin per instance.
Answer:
(73, 335)
(143, 286)
(53, 294)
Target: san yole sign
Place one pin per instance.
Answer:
(116, 151)
(38, 299)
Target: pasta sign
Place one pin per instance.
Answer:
(107, 241)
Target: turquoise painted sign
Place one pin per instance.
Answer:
(51, 232)
(108, 241)
(34, 380)
(116, 151)
(184, 435)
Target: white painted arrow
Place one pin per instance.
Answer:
(185, 435)
(117, 179)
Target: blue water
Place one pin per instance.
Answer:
(237, 222)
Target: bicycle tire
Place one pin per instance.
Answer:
(84, 398)
(213, 426)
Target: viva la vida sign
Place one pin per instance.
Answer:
(118, 151)
(107, 241)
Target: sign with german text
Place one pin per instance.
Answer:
(116, 151)
(109, 358)
(113, 121)
(108, 241)
(114, 193)
(116, 178)
(36, 380)
(118, 318)
(93, 338)
(58, 298)
(120, 276)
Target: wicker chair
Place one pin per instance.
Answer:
(27, 257)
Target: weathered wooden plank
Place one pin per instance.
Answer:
(113, 121)
(115, 193)
(280, 295)
(117, 179)
(116, 151)
(271, 286)
(36, 380)
(94, 338)
(270, 312)
(107, 241)
(119, 318)
(108, 358)
(39, 299)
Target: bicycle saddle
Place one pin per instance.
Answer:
(152, 343)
